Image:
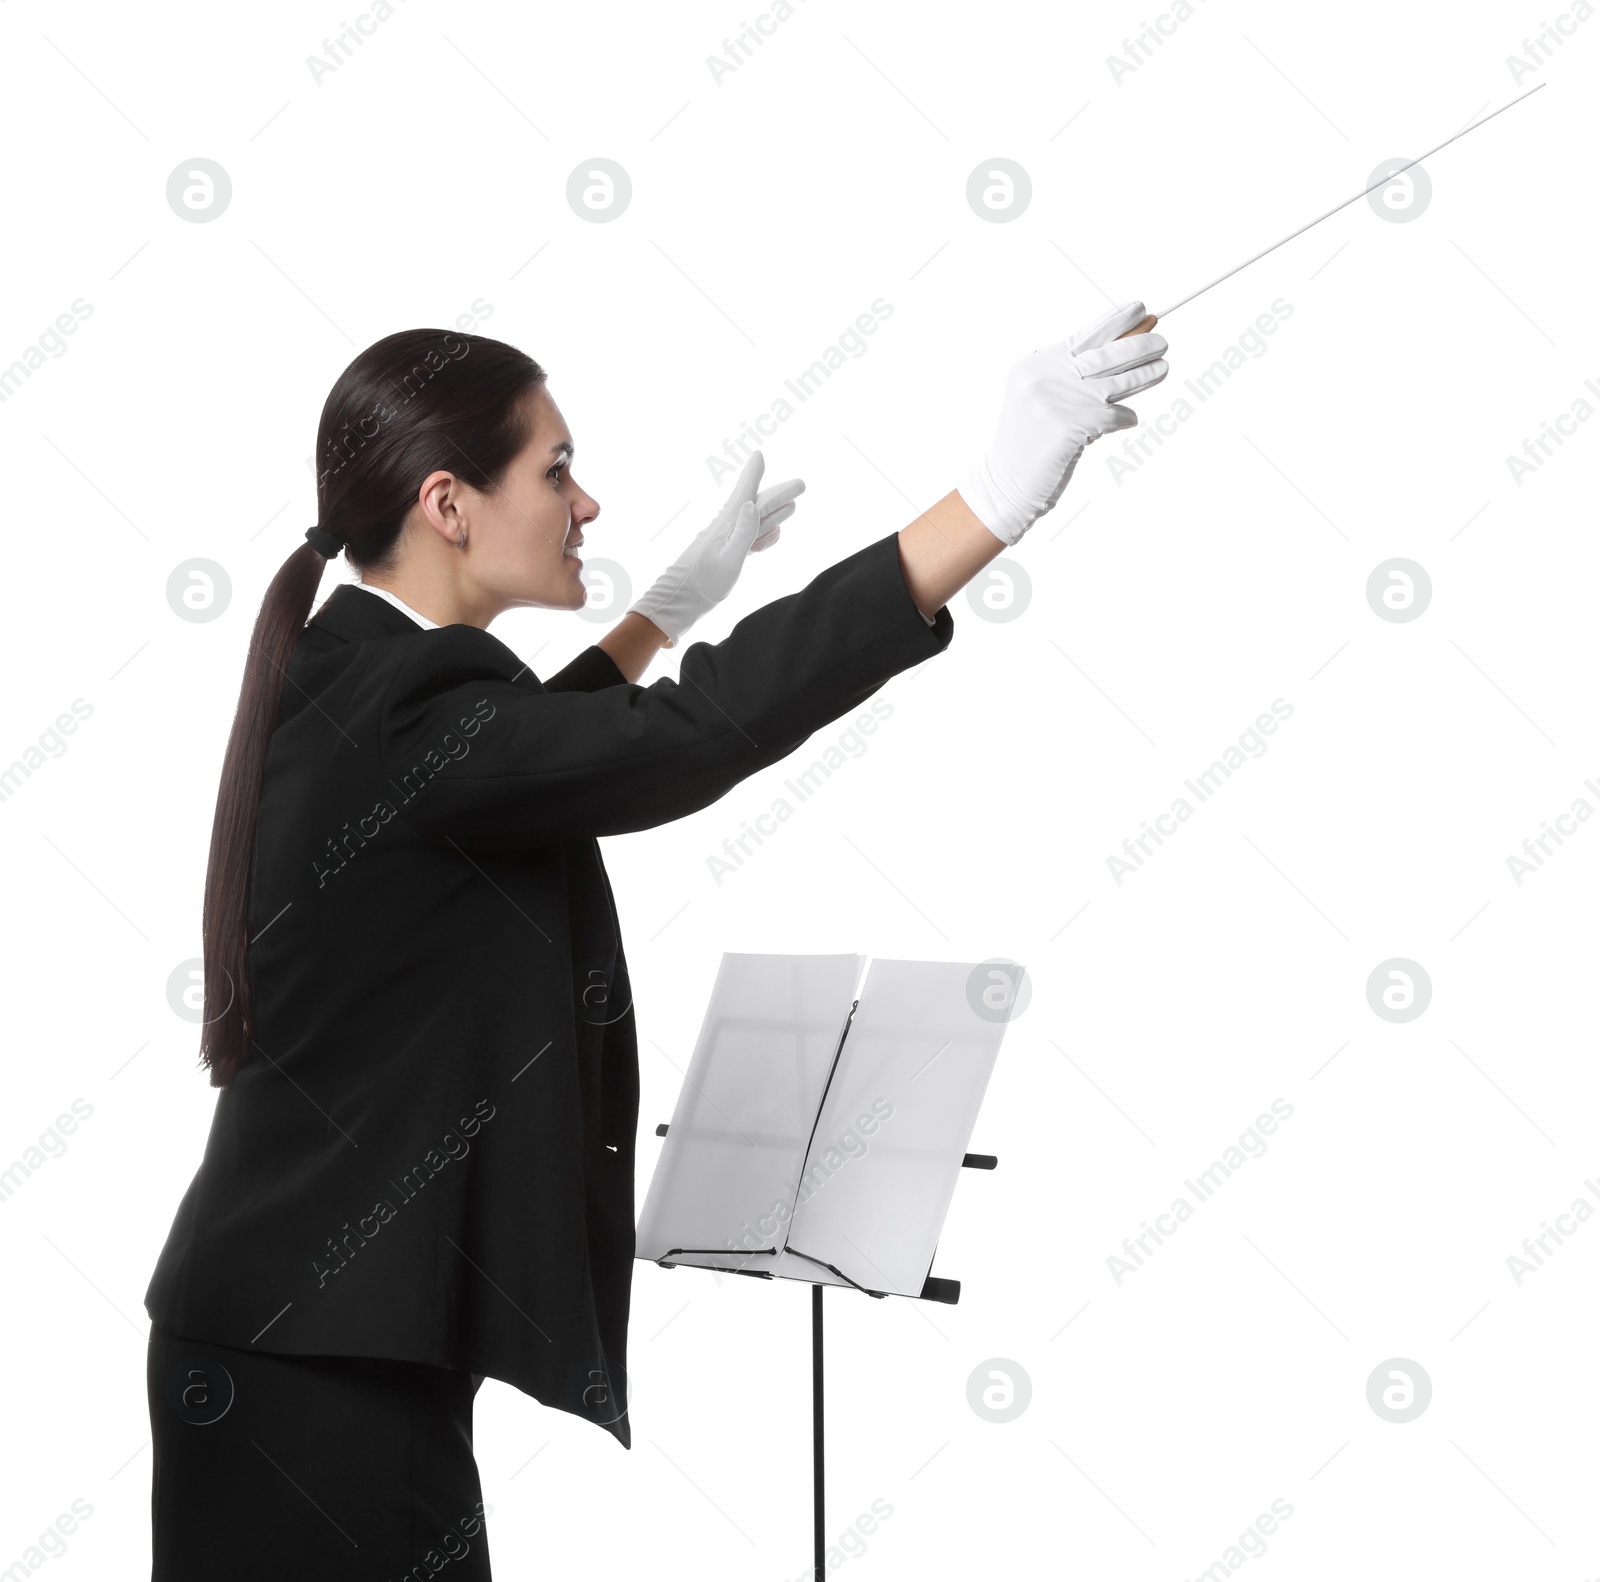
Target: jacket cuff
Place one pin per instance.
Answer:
(936, 632)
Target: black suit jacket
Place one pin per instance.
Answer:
(430, 1154)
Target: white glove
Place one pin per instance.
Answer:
(704, 574)
(1057, 401)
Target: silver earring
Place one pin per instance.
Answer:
(461, 540)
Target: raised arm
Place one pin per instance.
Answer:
(1057, 402)
(528, 764)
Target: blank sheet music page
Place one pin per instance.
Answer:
(747, 1107)
(896, 1122)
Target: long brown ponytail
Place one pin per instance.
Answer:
(411, 404)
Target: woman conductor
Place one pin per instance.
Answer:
(420, 1168)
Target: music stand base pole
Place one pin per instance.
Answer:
(819, 1543)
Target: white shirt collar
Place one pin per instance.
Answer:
(399, 604)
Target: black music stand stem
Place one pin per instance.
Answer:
(819, 1542)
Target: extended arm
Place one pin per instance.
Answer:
(524, 765)
(1058, 401)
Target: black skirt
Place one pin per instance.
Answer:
(271, 1466)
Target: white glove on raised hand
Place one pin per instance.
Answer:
(1058, 400)
(704, 574)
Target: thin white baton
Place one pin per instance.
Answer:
(1150, 319)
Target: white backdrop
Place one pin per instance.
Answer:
(1175, 1393)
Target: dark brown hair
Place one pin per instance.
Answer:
(411, 404)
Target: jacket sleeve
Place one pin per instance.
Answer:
(491, 759)
(592, 669)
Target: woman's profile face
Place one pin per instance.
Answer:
(523, 538)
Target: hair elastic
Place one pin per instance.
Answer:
(323, 541)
